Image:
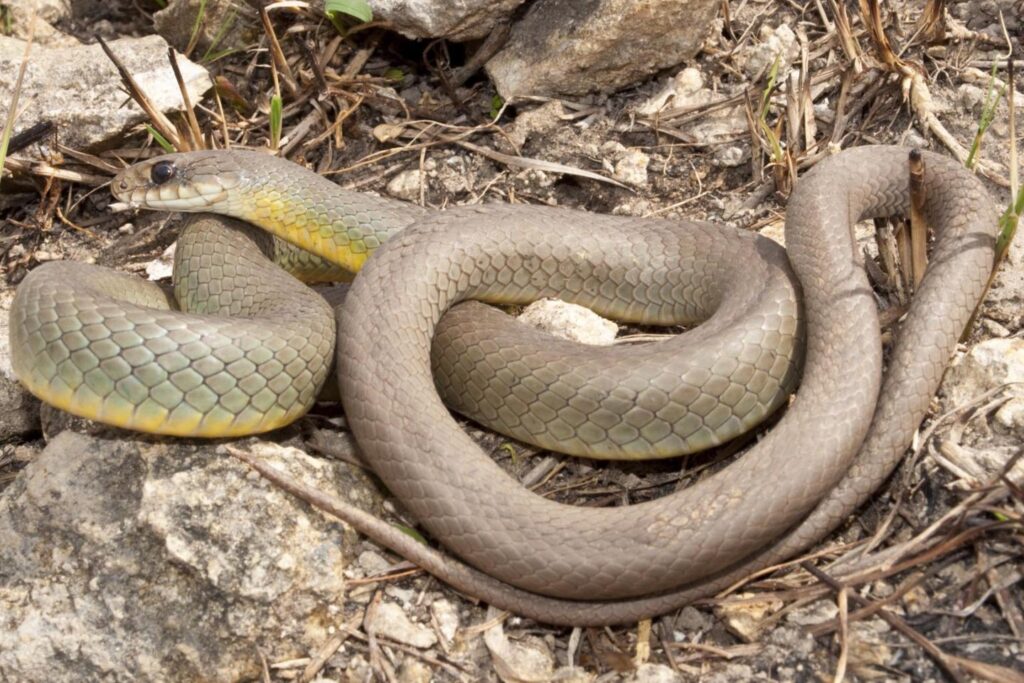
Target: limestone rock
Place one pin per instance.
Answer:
(775, 43)
(388, 619)
(525, 659)
(628, 165)
(569, 321)
(79, 90)
(457, 20)
(144, 561)
(687, 89)
(406, 185)
(987, 365)
(574, 48)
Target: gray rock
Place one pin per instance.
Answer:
(574, 48)
(628, 165)
(19, 410)
(140, 561)
(224, 25)
(47, 13)
(815, 613)
(457, 20)
(987, 365)
(655, 673)
(1005, 302)
(523, 659)
(446, 616)
(1011, 414)
(687, 89)
(569, 321)
(414, 671)
(390, 620)
(775, 43)
(79, 90)
(406, 185)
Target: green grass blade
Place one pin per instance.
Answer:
(275, 121)
(988, 113)
(196, 25)
(358, 9)
(160, 139)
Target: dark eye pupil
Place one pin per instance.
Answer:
(162, 172)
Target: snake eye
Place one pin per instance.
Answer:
(161, 172)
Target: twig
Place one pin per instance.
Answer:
(190, 114)
(162, 124)
(918, 225)
(277, 53)
(842, 601)
(903, 627)
(326, 651)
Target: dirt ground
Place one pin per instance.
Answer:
(950, 610)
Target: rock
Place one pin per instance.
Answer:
(48, 13)
(456, 20)
(1005, 302)
(629, 165)
(446, 616)
(525, 659)
(731, 156)
(537, 121)
(730, 673)
(224, 25)
(684, 89)
(655, 673)
(987, 365)
(359, 670)
(869, 651)
(813, 614)
(573, 674)
(162, 267)
(690, 622)
(687, 90)
(776, 43)
(414, 671)
(790, 641)
(148, 561)
(373, 564)
(574, 48)
(390, 620)
(747, 619)
(1011, 414)
(406, 185)
(569, 321)
(19, 410)
(79, 90)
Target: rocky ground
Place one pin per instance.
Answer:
(125, 557)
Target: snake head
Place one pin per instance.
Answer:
(187, 181)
